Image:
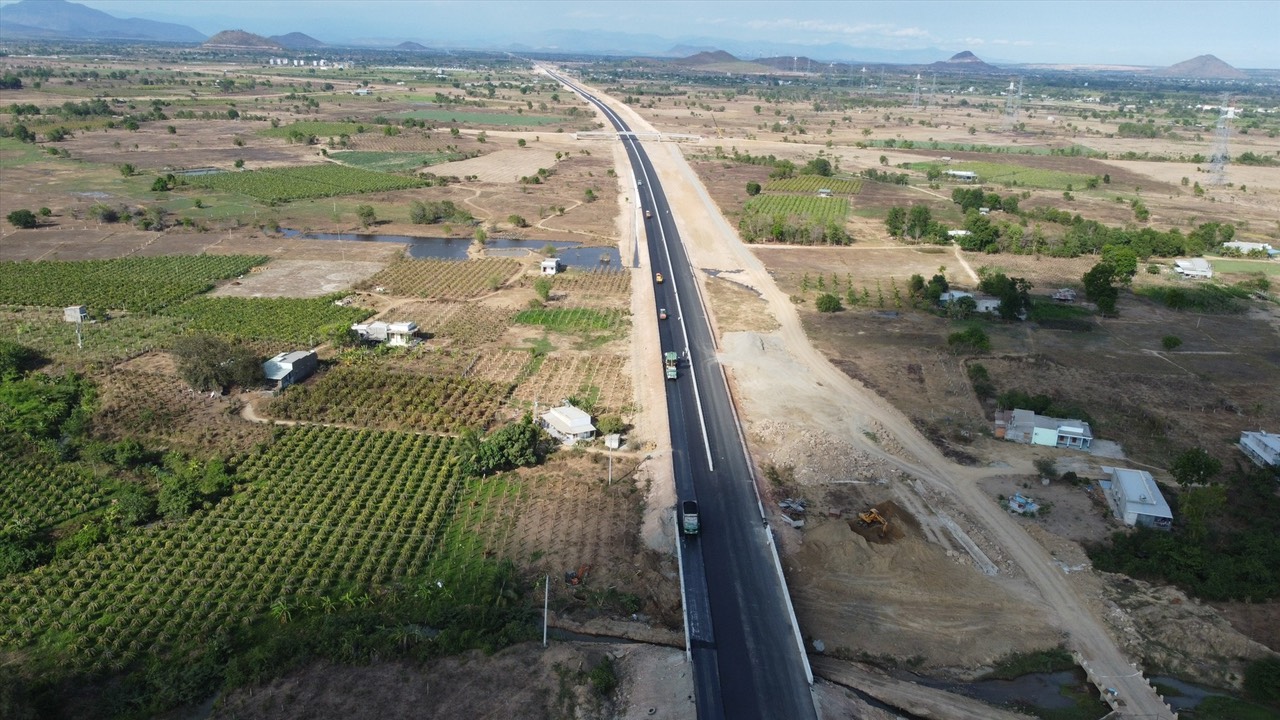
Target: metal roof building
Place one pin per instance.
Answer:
(568, 424)
(1136, 498)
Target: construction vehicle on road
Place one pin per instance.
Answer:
(689, 517)
(669, 361)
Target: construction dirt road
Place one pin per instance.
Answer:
(817, 396)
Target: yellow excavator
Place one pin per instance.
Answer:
(873, 517)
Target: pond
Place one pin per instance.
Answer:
(571, 254)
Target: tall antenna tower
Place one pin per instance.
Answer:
(1012, 104)
(915, 96)
(864, 78)
(1219, 158)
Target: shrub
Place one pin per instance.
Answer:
(827, 302)
(1171, 342)
(24, 219)
(753, 188)
(518, 221)
(972, 339)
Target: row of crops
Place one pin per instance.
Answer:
(809, 207)
(571, 320)
(297, 320)
(814, 183)
(327, 514)
(139, 284)
(40, 492)
(798, 219)
(445, 279)
(277, 185)
(372, 397)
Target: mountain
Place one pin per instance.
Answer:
(412, 46)
(60, 19)
(707, 57)
(240, 40)
(964, 61)
(1205, 67)
(297, 41)
(680, 51)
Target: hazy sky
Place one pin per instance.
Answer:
(1243, 33)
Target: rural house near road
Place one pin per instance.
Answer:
(1024, 426)
(568, 424)
(286, 369)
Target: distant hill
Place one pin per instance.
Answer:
(297, 41)
(681, 51)
(964, 61)
(1205, 67)
(412, 46)
(240, 40)
(708, 57)
(59, 19)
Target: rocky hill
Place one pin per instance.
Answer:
(240, 40)
(59, 19)
(1204, 67)
(297, 41)
(412, 46)
(964, 61)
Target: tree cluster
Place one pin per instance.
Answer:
(210, 363)
(436, 211)
(519, 444)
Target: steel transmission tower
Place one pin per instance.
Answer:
(1012, 104)
(1220, 156)
(915, 98)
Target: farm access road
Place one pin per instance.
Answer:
(713, 244)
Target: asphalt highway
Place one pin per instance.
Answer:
(747, 658)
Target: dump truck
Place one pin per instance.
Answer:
(689, 517)
(669, 361)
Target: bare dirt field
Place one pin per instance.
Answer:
(299, 278)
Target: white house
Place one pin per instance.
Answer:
(1193, 268)
(962, 175)
(981, 304)
(568, 424)
(1136, 498)
(361, 91)
(1024, 426)
(1261, 447)
(401, 334)
(958, 233)
(550, 266)
(75, 314)
(288, 368)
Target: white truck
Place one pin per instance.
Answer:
(689, 517)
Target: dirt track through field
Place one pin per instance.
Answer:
(713, 244)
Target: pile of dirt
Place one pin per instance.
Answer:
(817, 456)
(906, 601)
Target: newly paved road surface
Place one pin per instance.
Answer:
(747, 659)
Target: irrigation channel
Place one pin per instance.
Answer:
(571, 254)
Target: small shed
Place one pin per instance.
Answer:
(568, 424)
(1136, 498)
(1193, 268)
(75, 314)
(1246, 248)
(958, 233)
(1262, 447)
(1064, 295)
(824, 192)
(288, 368)
(550, 266)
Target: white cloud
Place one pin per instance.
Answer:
(863, 31)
